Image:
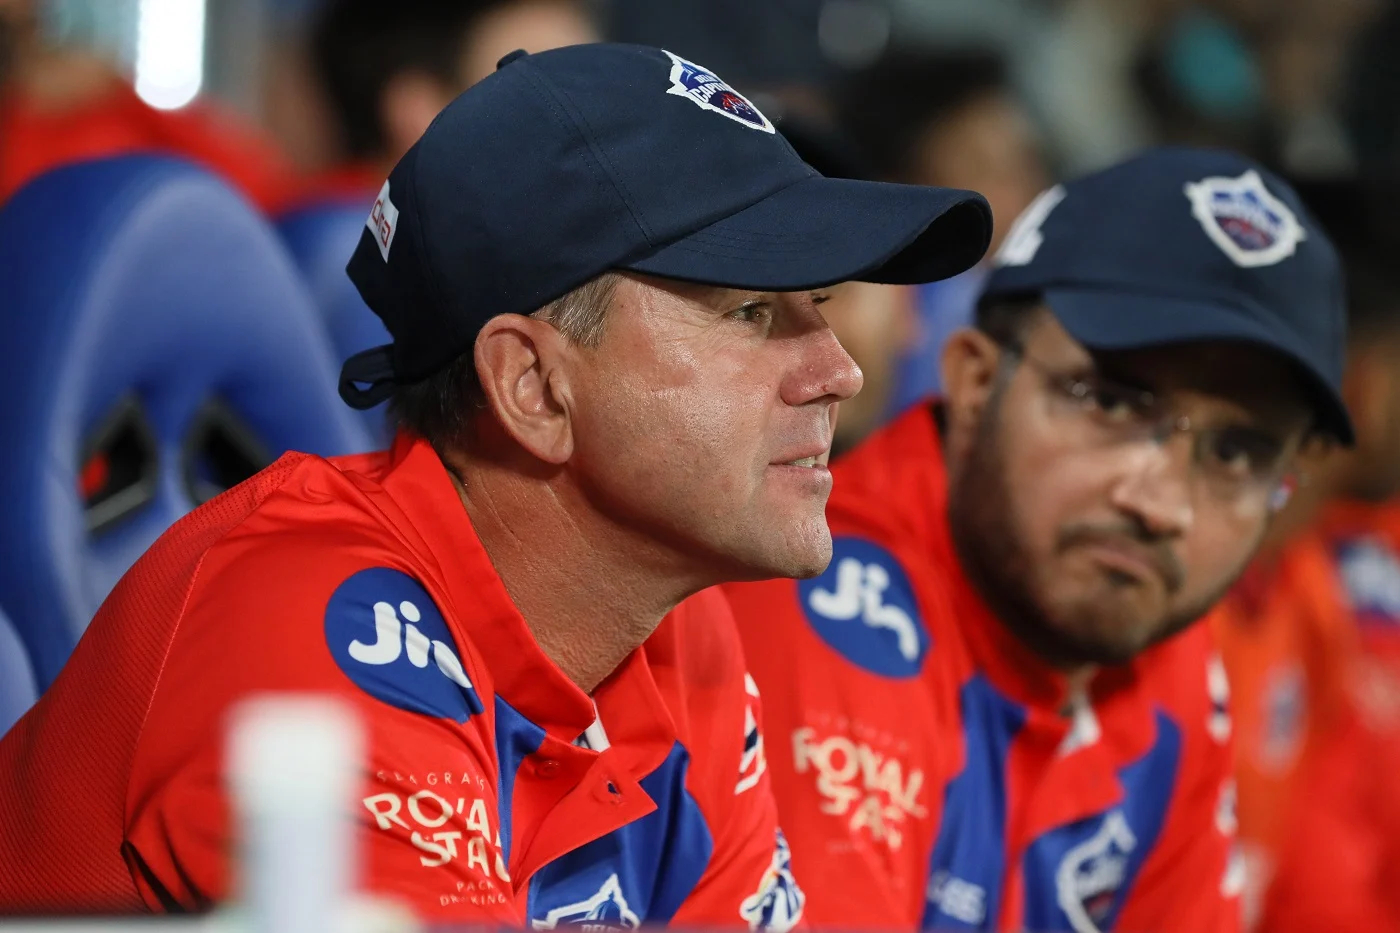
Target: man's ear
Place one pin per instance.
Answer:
(518, 362)
(970, 363)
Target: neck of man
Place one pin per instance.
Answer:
(591, 589)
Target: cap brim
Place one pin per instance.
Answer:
(1111, 320)
(820, 231)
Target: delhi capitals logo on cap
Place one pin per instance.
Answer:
(1249, 224)
(709, 92)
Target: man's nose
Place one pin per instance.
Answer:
(824, 372)
(1158, 487)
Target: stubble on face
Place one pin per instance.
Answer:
(1096, 628)
(681, 413)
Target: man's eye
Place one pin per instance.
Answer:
(752, 312)
(1115, 403)
(1244, 453)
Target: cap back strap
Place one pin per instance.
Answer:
(374, 369)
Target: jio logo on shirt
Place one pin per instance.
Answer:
(863, 606)
(387, 635)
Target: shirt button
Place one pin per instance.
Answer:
(547, 769)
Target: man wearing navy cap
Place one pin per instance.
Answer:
(993, 710)
(601, 269)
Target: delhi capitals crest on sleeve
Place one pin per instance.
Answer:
(863, 606)
(777, 904)
(387, 635)
(605, 910)
(708, 91)
(1245, 220)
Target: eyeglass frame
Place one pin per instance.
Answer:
(1080, 390)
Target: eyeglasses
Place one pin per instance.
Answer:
(1235, 463)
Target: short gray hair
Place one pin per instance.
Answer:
(442, 407)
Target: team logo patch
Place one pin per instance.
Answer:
(1371, 578)
(605, 910)
(1092, 873)
(1248, 223)
(1227, 821)
(863, 606)
(1218, 721)
(1025, 237)
(388, 636)
(708, 91)
(383, 221)
(867, 786)
(777, 904)
(754, 762)
(1285, 712)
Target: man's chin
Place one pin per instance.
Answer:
(800, 559)
(1102, 641)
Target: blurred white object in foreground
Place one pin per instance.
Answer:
(292, 769)
(293, 772)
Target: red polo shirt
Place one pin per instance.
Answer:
(930, 772)
(362, 577)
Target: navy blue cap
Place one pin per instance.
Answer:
(1181, 245)
(565, 164)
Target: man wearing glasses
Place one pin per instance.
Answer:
(993, 710)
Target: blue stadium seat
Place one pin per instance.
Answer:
(17, 689)
(321, 238)
(160, 346)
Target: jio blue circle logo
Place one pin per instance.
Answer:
(387, 635)
(863, 606)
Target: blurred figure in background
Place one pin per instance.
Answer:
(387, 69)
(951, 119)
(1311, 635)
(1004, 716)
(63, 105)
(876, 324)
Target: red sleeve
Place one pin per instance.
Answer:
(1195, 874)
(264, 618)
(1336, 867)
(859, 799)
(749, 878)
(1332, 872)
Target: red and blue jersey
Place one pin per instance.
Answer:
(495, 790)
(931, 773)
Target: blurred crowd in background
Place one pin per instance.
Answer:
(298, 102)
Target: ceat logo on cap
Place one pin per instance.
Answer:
(383, 221)
(1249, 224)
(708, 91)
